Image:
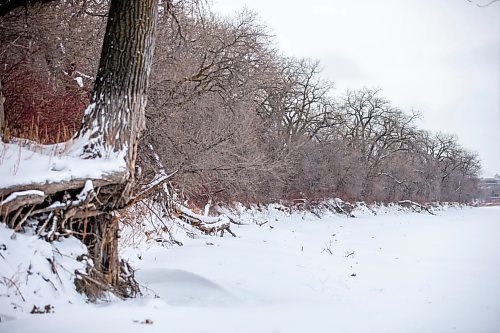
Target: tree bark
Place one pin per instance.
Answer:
(2, 117)
(115, 117)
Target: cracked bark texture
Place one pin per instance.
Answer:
(115, 117)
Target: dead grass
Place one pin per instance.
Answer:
(40, 133)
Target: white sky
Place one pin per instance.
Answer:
(441, 57)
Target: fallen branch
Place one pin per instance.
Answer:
(342, 207)
(232, 218)
(193, 216)
(349, 254)
(151, 188)
(413, 205)
(208, 224)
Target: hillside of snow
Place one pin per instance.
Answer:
(284, 272)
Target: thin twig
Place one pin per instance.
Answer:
(15, 285)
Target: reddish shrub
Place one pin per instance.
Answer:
(42, 108)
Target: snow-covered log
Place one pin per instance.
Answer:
(415, 206)
(49, 188)
(208, 224)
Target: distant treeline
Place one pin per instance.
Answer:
(235, 118)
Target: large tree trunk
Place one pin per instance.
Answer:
(115, 117)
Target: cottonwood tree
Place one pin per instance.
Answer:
(457, 168)
(377, 131)
(112, 125)
(297, 100)
(425, 182)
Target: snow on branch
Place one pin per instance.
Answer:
(415, 206)
(399, 182)
(192, 215)
(233, 218)
(208, 224)
(18, 199)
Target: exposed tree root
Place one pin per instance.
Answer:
(94, 284)
(88, 213)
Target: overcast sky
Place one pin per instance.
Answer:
(440, 57)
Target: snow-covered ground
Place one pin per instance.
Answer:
(24, 163)
(394, 272)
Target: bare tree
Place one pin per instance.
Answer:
(112, 123)
(377, 131)
(298, 101)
